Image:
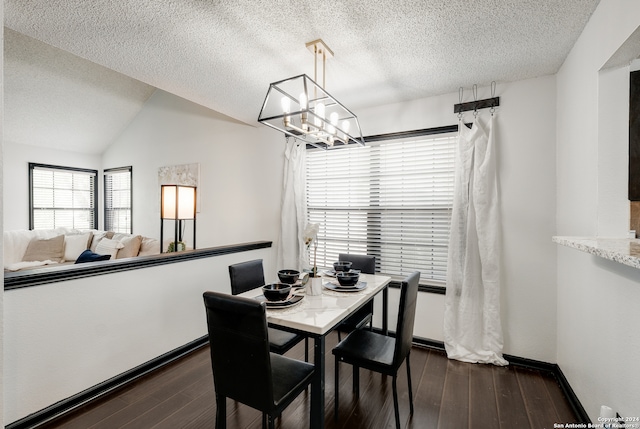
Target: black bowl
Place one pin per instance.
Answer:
(342, 266)
(288, 276)
(347, 278)
(276, 291)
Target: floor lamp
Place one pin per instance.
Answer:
(177, 203)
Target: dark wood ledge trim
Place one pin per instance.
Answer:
(551, 368)
(438, 290)
(42, 276)
(65, 406)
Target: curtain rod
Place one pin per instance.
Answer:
(475, 105)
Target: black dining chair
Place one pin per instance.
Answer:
(367, 265)
(381, 353)
(243, 367)
(249, 275)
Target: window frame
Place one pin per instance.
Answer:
(105, 173)
(427, 285)
(34, 165)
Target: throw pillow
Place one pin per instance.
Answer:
(75, 244)
(131, 247)
(149, 246)
(97, 236)
(89, 256)
(110, 247)
(51, 249)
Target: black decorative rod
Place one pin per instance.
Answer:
(475, 105)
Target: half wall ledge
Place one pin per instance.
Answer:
(625, 251)
(41, 276)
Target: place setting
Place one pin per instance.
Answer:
(346, 279)
(283, 294)
(340, 266)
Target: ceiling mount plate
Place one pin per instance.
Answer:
(318, 46)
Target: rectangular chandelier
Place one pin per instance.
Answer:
(301, 108)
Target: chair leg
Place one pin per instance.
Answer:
(306, 349)
(356, 380)
(410, 388)
(221, 412)
(395, 402)
(336, 403)
(339, 336)
(264, 420)
(271, 419)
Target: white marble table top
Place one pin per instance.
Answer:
(622, 250)
(319, 314)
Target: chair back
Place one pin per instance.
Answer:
(365, 263)
(406, 317)
(246, 276)
(239, 349)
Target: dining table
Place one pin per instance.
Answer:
(315, 316)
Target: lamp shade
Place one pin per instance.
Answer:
(178, 202)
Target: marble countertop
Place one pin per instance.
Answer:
(319, 314)
(622, 250)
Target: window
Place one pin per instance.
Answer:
(62, 197)
(117, 200)
(392, 198)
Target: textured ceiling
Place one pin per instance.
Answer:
(223, 54)
(55, 99)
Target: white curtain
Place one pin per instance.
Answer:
(472, 328)
(293, 217)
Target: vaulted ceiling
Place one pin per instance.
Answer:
(223, 54)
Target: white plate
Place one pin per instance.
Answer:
(339, 288)
(293, 300)
(332, 273)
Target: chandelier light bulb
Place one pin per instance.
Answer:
(286, 108)
(320, 110)
(345, 128)
(333, 118)
(286, 104)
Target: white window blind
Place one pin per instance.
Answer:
(117, 200)
(391, 199)
(62, 197)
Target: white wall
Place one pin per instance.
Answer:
(15, 171)
(240, 168)
(63, 338)
(526, 160)
(2, 420)
(598, 300)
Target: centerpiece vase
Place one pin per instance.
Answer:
(314, 286)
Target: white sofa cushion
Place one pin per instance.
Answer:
(15, 242)
(107, 246)
(75, 244)
(97, 236)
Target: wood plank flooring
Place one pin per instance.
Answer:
(447, 395)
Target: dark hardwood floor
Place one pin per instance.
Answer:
(447, 394)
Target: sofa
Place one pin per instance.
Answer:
(24, 249)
